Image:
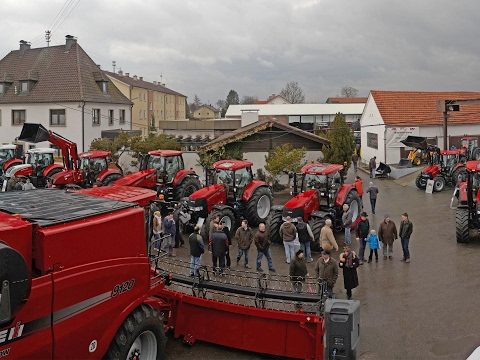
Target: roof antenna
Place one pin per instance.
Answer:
(48, 35)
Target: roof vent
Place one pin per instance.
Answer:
(154, 82)
(69, 42)
(24, 46)
(134, 77)
(127, 74)
(141, 78)
(120, 72)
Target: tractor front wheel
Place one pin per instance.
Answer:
(258, 207)
(462, 228)
(225, 215)
(316, 224)
(421, 182)
(187, 187)
(417, 161)
(439, 183)
(110, 179)
(459, 175)
(53, 172)
(274, 221)
(353, 202)
(141, 336)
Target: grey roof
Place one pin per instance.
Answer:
(129, 80)
(296, 109)
(58, 75)
(260, 125)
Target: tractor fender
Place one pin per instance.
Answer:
(462, 194)
(12, 162)
(321, 214)
(107, 172)
(50, 168)
(277, 208)
(181, 174)
(250, 189)
(433, 170)
(222, 207)
(458, 165)
(343, 193)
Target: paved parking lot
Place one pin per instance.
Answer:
(427, 309)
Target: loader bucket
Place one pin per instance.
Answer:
(34, 133)
(417, 142)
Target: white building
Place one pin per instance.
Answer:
(61, 88)
(390, 116)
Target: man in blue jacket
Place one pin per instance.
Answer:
(170, 229)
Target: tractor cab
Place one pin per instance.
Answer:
(167, 164)
(325, 178)
(93, 163)
(39, 159)
(7, 152)
(234, 175)
(449, 158)
(469, 143)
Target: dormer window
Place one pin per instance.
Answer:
(103, 85)
(24, 86)
(2, 89)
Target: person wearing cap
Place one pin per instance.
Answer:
(28, 185)
(327, 239)
(298, 271)
(349, 263)
(374, 245)
(387, 234)
(326, 268)
(305, 236)
(362, 231)
(373, 191)
(406, 229)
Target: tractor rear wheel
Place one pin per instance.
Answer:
(421, 182)
(110, 179)
(187, 187)
(141, 336)
(459, 175)
(462, 228)
(258, 207)
(274, 221)
(439, 183)
(476, 154)
(316, 224)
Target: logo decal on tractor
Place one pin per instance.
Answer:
(11, 333)
(4, 352)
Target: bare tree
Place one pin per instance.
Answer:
(349, 92)
(293, 93)
(249, 99)
(221, 104)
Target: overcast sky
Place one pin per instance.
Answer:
(208, 47)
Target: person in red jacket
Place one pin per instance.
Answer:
(359, 187)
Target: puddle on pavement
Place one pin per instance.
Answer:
(454, 346)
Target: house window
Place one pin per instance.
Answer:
(110, 117)
(122, 116)
(372, 140)
(18, 117)
(57, 117)
(151, 107)
(104, 86)
(144, 114)
(140, 114)
(24, 86)
(0, 117)
(161, 114)
(2, 88)
(144, 97)
(96, 116)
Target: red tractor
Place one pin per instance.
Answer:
(321, 197)
(445, 167)
(8, 157)
(233, 195)
(468, 208)
(164, 171)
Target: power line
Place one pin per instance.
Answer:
(68, 15)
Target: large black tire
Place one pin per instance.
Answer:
(258, 207)
(421, 182)
(226, 215)
(274, 221)
(353, 201)
(142, 336)
(316, 224)
(439, 183)
(459, 175)
(462, 228)
(109, 179)
(187, 187)
(417, 161)
(476, 154)
(53, 172)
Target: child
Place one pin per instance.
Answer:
(372, 239)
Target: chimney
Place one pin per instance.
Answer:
(120, 72)
(127, 74)
(134, 77)
(141, 78)
(154, 82)
(99, 66)
(69, 42)
(24, 46)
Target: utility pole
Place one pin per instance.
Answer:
(48, 35)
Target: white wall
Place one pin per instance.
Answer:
(249, 117)
(372, 122)
(40, 113)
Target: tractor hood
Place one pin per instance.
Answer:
(302, 205)
(137, 178)
(63, 178)
(417, 142)
(300, 200)
(19, 170)
(213, 194)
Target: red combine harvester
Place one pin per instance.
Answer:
(81, 170)
(322, 195)
(233, 196)
(100, 295)
(164, 171)
(8, 157)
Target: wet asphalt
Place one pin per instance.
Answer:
(427, 309)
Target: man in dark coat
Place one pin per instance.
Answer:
(373, 191)
(196, 250)
(406, 229)
(263, 247)
(372, 166)
(326, 269)
(244, 238)
(362, 231)
(349, 264)
(219, 244)
(298, 271)
(226, 230)
(355, 161)
(387, 234)
(305, 236)
(170, 229)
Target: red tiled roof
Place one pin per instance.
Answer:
(346, 100)
(59, 76)
(416, 108)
